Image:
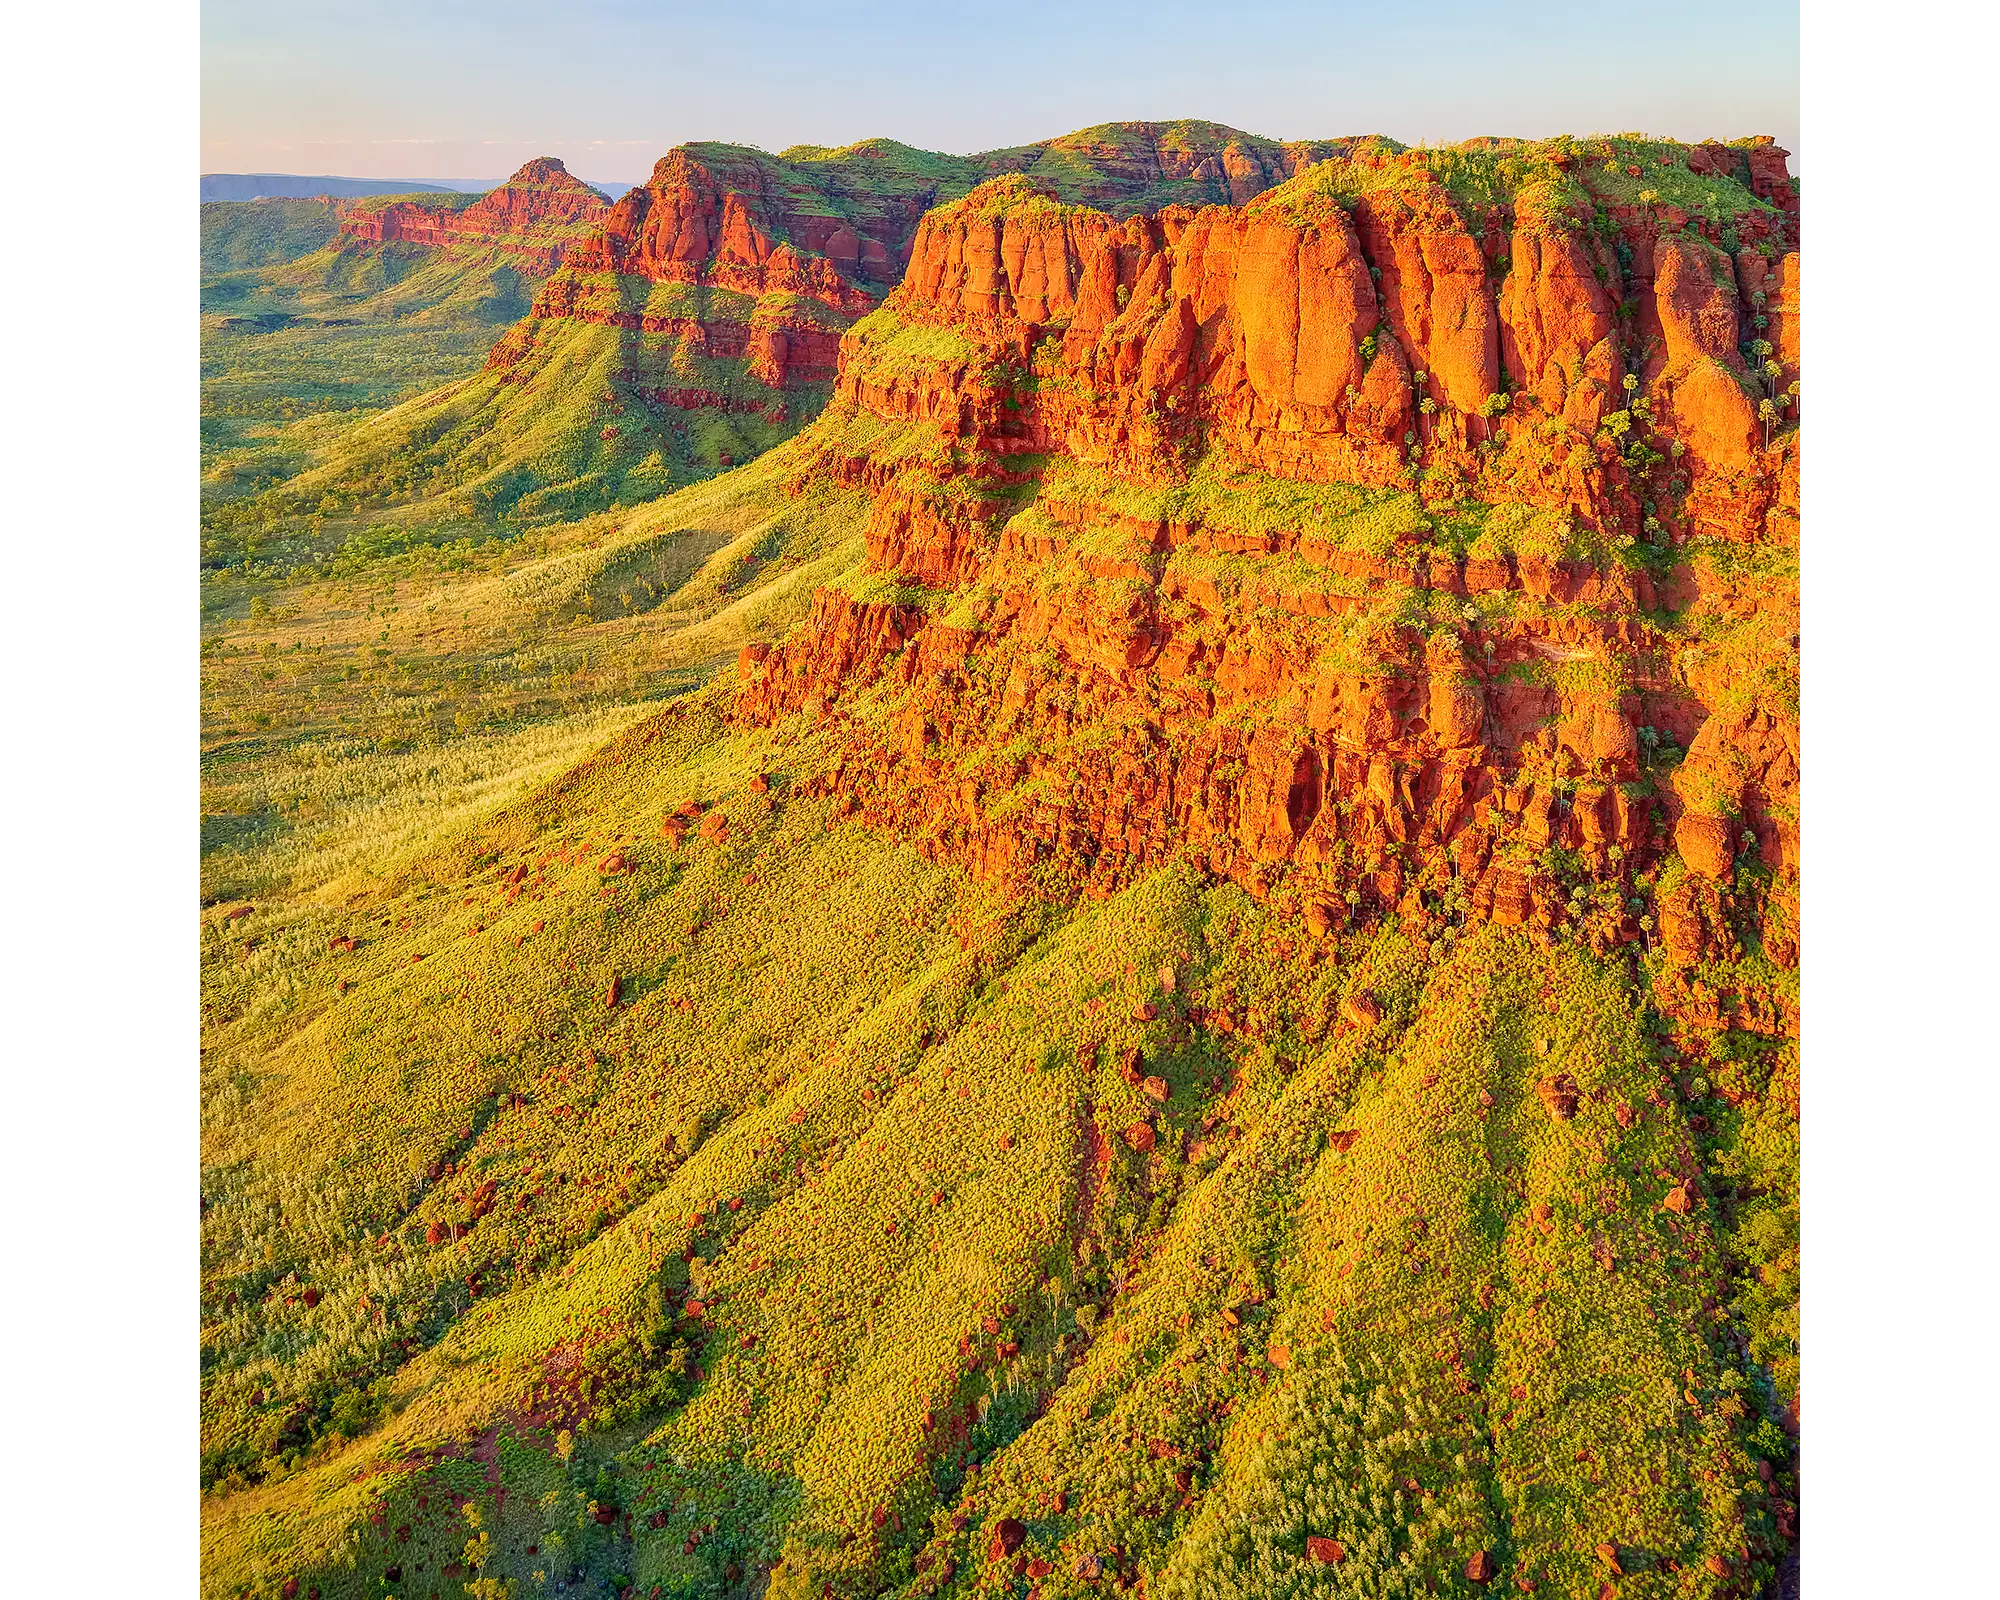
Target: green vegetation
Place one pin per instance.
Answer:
(566, 431)
(844, 1112)
(1554, 183)
(627, 1171)
(826, 1248)
(236, 235)
(402, 674)
(1092, 167)
(893, 348)
(297, 349)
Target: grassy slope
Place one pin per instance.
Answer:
(303, 337)
(236, 235)
(344, 710)
(1460, 1369)
(853, 1106)
(911, 1089)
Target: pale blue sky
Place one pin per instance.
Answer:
(472, 88)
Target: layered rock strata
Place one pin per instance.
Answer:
(1416, 540)
(739, 271)
(532, 219)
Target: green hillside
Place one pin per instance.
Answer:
(295, 350)
(238, 235)
(647, 1149)
(622, 1171)
(874, 1125)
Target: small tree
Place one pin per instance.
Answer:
(1768, 369)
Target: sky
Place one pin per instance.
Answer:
(470, 89)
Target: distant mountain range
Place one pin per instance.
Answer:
(292, 186)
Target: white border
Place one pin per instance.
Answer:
(99, 398)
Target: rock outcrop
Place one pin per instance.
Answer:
(532, 219)
(1366, 542)
(746, 268)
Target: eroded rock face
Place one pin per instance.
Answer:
(1554, 314)
(1193, 555)
(777, 256)
(533, 218)
(1435, 289)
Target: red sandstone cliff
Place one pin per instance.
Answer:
(534, 217)
(819, 236)
(1416, 720)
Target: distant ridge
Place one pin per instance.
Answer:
(291, 186)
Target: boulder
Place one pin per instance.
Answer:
(1560, 1095)
(1706, 844)
(1008, 1536)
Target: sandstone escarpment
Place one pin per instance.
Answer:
(532, 219)
(738, 271)
(1380, 544)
